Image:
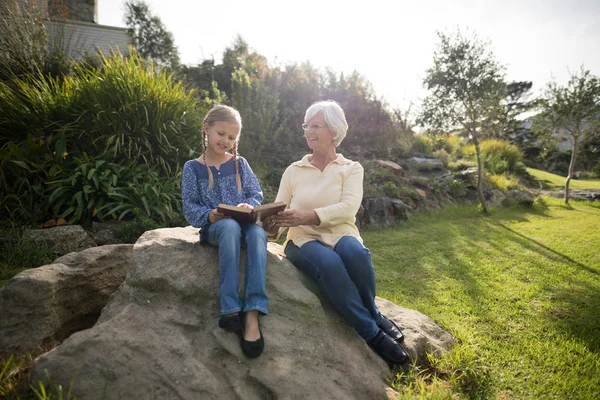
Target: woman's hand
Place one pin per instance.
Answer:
(245, 205)
(214, 216)
(295, 217)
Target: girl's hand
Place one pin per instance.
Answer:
(245, 205)
(214, 216)
(295, 217)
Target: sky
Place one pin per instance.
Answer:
(391, 43)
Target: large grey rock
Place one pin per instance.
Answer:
(43, 306)
(521, 197)
(422, 164)
(422, 334)
(65, 238)
(390, 166)
(471, 176)
(497, 198)
(382, 211)
(158, 337)
(106, 232)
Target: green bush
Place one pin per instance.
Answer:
(391, 190)
(421, 145)
(82, 192)
(125, 112)
(499, 156)
(596, 170)
(503, 182)
(461, 165)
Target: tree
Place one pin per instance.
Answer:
(572, 112)
(515, 103)
(466, 86)
(150, 37)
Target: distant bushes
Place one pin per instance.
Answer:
(499, 156)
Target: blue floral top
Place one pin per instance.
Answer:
(198, 201)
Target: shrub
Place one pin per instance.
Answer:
(126, 112)
(456, 187)
(131, 112)
(499, 156)
(461, 165)
(596, 170)
(391, 190)
(420, 144)
(23, 40)
(503, 182)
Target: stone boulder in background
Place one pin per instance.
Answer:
(421, 164)
(65, 239)
(521, 197)
(42, 306)
(158, 336)
(382, 211)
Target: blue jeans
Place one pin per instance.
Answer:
(346, 275)
(229, 236)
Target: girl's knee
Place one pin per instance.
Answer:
(254, 233)
(229, 226)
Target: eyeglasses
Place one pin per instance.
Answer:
(313, 127)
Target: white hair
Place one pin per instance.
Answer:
(334, 117)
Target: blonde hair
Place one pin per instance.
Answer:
(225, 114)
(334, 117)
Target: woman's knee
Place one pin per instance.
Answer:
(350, 248)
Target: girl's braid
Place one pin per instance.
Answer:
(204, 146)
(238, 181)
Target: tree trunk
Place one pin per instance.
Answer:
(480, 176)
(571, 166)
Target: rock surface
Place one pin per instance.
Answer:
(425, 164)
(382, 211)
(158, 336)
(43, 306)
(65, 238)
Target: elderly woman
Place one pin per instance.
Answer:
(323, 192)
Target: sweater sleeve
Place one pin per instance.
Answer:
(194, 211)
(284, 193)
(253, 194)
(347, 207)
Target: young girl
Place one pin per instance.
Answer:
(220, 177)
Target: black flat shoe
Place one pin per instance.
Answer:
(255, 348)
(388, 349)
(231, 323)
(392, 330)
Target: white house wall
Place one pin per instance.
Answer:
(76, 38)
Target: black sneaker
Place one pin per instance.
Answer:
(231, 323)
(389, 327)
(388, 349)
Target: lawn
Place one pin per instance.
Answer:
(519, 289)
(555, 182)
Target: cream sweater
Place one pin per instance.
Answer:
(335, 194)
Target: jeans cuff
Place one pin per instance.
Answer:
(260, 309)
(231, 311)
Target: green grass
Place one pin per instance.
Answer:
(554, 182)
(18, 254)
(519, 289)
